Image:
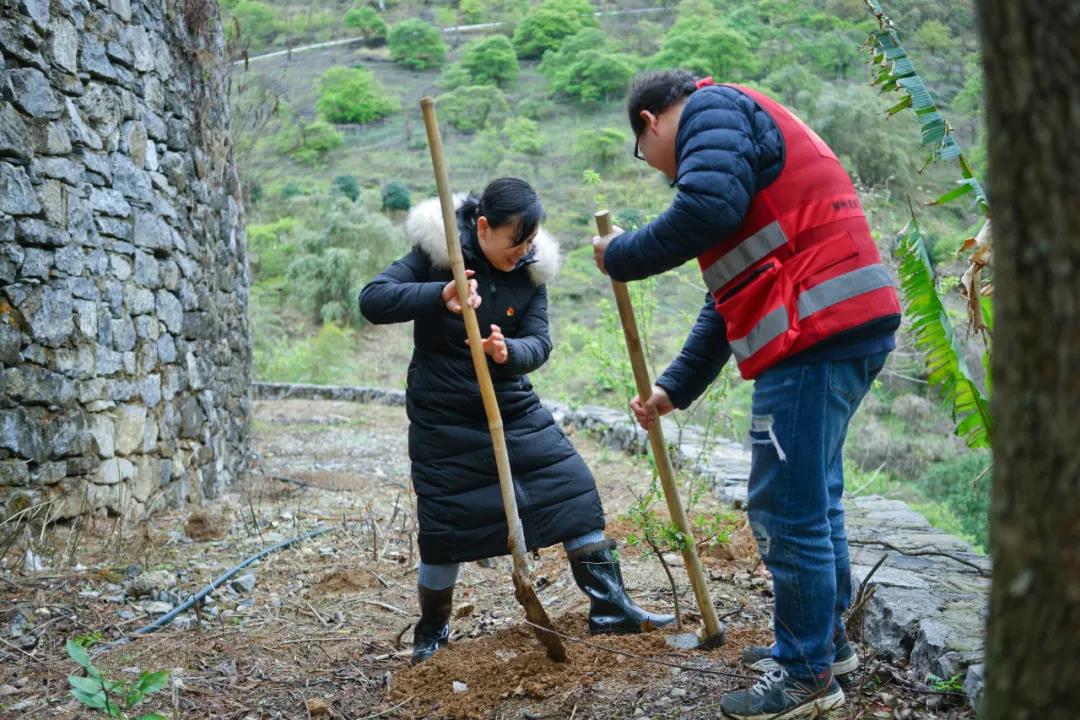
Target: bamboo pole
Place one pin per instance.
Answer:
(522, 575)
(714, 633)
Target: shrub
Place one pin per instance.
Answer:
(490, 61)
(601, 146)
(586, 69)
(258, 22)
(953, 482)
(367, 22)
(524, 136)
(416, 44)
(347, 186)
(545, 27)
(472, 108)
(308, 143)
(352, 95)
(396, 196)
(706, 46)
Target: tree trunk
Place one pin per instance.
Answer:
(1031, 55)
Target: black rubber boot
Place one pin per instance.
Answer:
(432, 630)
(598, 575)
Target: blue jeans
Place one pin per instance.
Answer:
(800, 415)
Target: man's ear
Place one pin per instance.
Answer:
(649, 118)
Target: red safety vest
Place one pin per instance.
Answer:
(802, 266)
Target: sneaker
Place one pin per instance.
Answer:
(759, 657)
(777, 696)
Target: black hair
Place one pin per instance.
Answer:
(656, 91)
(506, 200)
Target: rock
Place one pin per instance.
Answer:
(92, 58)
(141, 48)
(156, 607)
(110, 202)
(82, 134)
(14, 136)
(464, 610)
(36, 263)
(64, 41)
(183, 622)
(54, 140)
(148, 584)
(133, 141)
(931, 639)
(14, 473)
(34, 385)
(130, 426)
(170, 311)
(132, 180)
(459, 687)
(974, 684)
(32, 93)
(17, 195)
(244, 583)
(152, 232)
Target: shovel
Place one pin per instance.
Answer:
(713, 633)
(522, 575)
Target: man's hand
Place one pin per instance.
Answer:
(495, 345)
(599, 245)
(658, 403)
(450, 296)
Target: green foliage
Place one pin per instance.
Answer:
(472, 108)
(347, 186)
(416, 44)
(111, 696)
(490, 61)
(963, 485)
(866, 142)
(600, 147)
(485, 11)
(309, 143)
(323, 358)
(706, 45)
(395, 196)
(270, 246)
(325, 278)
(352, 95)
(524, 136)
(258, 22)
(587, 69)
(546, 25)
(367, 21)
(936, 340)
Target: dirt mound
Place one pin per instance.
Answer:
(512, 664)
(201, 526)
(340, 582)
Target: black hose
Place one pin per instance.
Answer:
(190, 602)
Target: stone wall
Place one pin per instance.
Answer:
(123, 262)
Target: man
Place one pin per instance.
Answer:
(798, 295)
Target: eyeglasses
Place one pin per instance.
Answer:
(637, 148)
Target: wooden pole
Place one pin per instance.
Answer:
(714, 633)
(522, 575)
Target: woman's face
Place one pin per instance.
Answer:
(497, 244)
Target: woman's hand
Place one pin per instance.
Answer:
(658, 402)
(495, 345)
(450, 295)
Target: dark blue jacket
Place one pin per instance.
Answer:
(454, 475)
(727, 149)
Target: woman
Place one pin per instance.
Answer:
(508, 260)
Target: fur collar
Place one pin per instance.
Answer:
(424, 229)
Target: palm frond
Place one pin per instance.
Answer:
(936, 340)
(894, 71)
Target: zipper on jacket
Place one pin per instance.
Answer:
(746, 281)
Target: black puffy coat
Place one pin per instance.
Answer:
(454, 475)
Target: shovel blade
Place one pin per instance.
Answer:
(538, 618)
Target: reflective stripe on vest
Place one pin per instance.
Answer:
(735, 261)
(829, 293)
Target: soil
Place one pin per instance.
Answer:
(326, 630)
